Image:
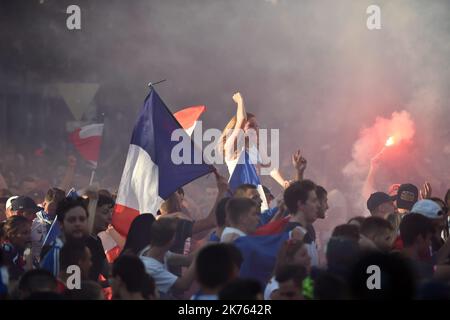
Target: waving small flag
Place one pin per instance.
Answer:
(87, 141)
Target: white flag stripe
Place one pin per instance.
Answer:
(139, 184)
(91, 130)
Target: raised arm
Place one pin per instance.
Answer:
(69, 174)
(210, 221)
(276, 175)
(241, 117)
(299, 163)
(369, 183)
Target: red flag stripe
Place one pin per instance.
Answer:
(122, 218)
(187, 116)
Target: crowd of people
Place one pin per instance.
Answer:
(398, 247)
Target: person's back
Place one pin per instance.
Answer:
(37, 281)
(214, 269)
(416, 232)
(129, 279)
(242, 289)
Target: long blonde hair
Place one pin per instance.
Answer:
(228, 128)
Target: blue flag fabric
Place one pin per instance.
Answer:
(244, 173)
(259, 255)
(52, 233)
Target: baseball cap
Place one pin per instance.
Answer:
(10, 201)
(427, 208)
(407, 196)
(24, 203)
(377, 199)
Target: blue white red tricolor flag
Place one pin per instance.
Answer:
(149, 175)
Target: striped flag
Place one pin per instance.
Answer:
(188, 117)
(150, 176)
(87, 141)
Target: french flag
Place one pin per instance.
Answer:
(259, 254)
(149, 175)
(188, 117)
(87, 141)
(245, 173)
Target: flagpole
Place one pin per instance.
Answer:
(91, 180)
(151, 84)
(92, 177)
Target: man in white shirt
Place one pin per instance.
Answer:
(242, 216)
(157, 257)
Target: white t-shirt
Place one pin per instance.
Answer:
(271, 286)
(230, 230)
(164, 279)
(312, 249)
(253, 154)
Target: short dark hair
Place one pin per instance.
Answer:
(291, 272)
(298, 191)
(69, 203)
(105, 200)
(321, 192)
(221, 212)
(358, 219)
(375, 225)
(241, 289)
(214, 265)
(414, 225)
(346, 231)
(37, 280)
(72, 252)
(242, 189)
(54, 194)
(163, 231)
(131, 271)
(236, 207)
